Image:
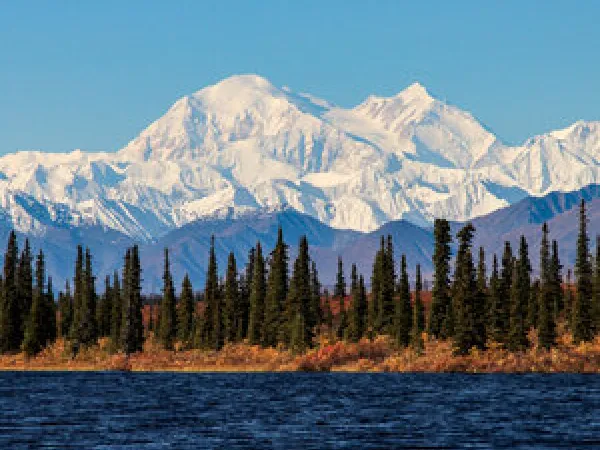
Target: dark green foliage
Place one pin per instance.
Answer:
(327, 312)
(212, 324)
(502, 312)
(374, 303)
(185, 323)
(403, 322)
(34, 339)
(469, 329)
(342, 319)
(25, 286)
(582, 320)
(49, 330)
(132, 327)
(277, 290)
(555, 281)
(533, 308)
(104, 309)
(243, 309)
(65, 311)
(116, 314)
(340, 283)
(257, 297)
(440, 312)
(167, 333)
(418, 313)
(358, 308)
(495, 309)
(315, 313)
(10, 312)
(519, 299)
(387, 308)
(547, 304)
(596, 294)
(299, 299)
(232, 294)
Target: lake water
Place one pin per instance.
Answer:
(298, 410)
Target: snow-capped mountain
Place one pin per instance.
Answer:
(243, 145)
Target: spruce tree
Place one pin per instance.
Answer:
(168, 311)
(440, 311)
(50, 329)
(87, 326)
(315, 312)
(418, 316)
(556, 289)
(277, 290)
(34, 341)
(469, 328)
(494, 314)
(403, 322)
(212, 324)
(10, 313)
(519, 299)
(376, 278)
(257, 298)
(132, 329)
(355, 315)
(533, 305)
(547, 301)
(387, 320)
(596, 292)
(243, 309)
(185, 323)
(65, 308)
(342, 319)
(583, 326)
(327, 312)
(116, 314)
(78, 292)
(505, 284)
(299, 299)
(340, 283)
(25, 286)
(232, 293)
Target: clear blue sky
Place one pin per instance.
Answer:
(91, 75)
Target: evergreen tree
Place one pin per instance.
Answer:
(327, 312)
(495, 324)
(117, 313)
(277, 290)
(78, 283)
(547, 302)
(374, 303)
(519, 299)
(24, 286)
(315, 312)
(387, 320)
(34, 341)
(468, 309)
(185, 324)
(596, 293)
(356, 314)
(403, 307)
(232, 294)
(418, 317)
(168, 324)
(533, 305)
(10, 313)
(340, 283)
(299, 299)
(506, 282)
(583, 326)
(65, 308)
(87, 327)
(342, 322)
(212, 329)
(440, 312)
(132, 329)
(257, 298)
(50, 329)
(104, 309)
(556, 281)
(569, 299)
(243, 309)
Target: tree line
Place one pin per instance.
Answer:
(272, 302)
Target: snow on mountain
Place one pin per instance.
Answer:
(245, 145)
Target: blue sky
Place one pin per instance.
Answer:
(91, 75)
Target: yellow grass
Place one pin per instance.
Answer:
(378, 355)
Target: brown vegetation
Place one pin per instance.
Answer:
(378, 355)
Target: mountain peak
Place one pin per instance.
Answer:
(416, 89)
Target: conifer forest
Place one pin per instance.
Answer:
(274, 302)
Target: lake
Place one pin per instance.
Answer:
(297, 410)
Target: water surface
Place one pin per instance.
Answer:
(297, 410)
